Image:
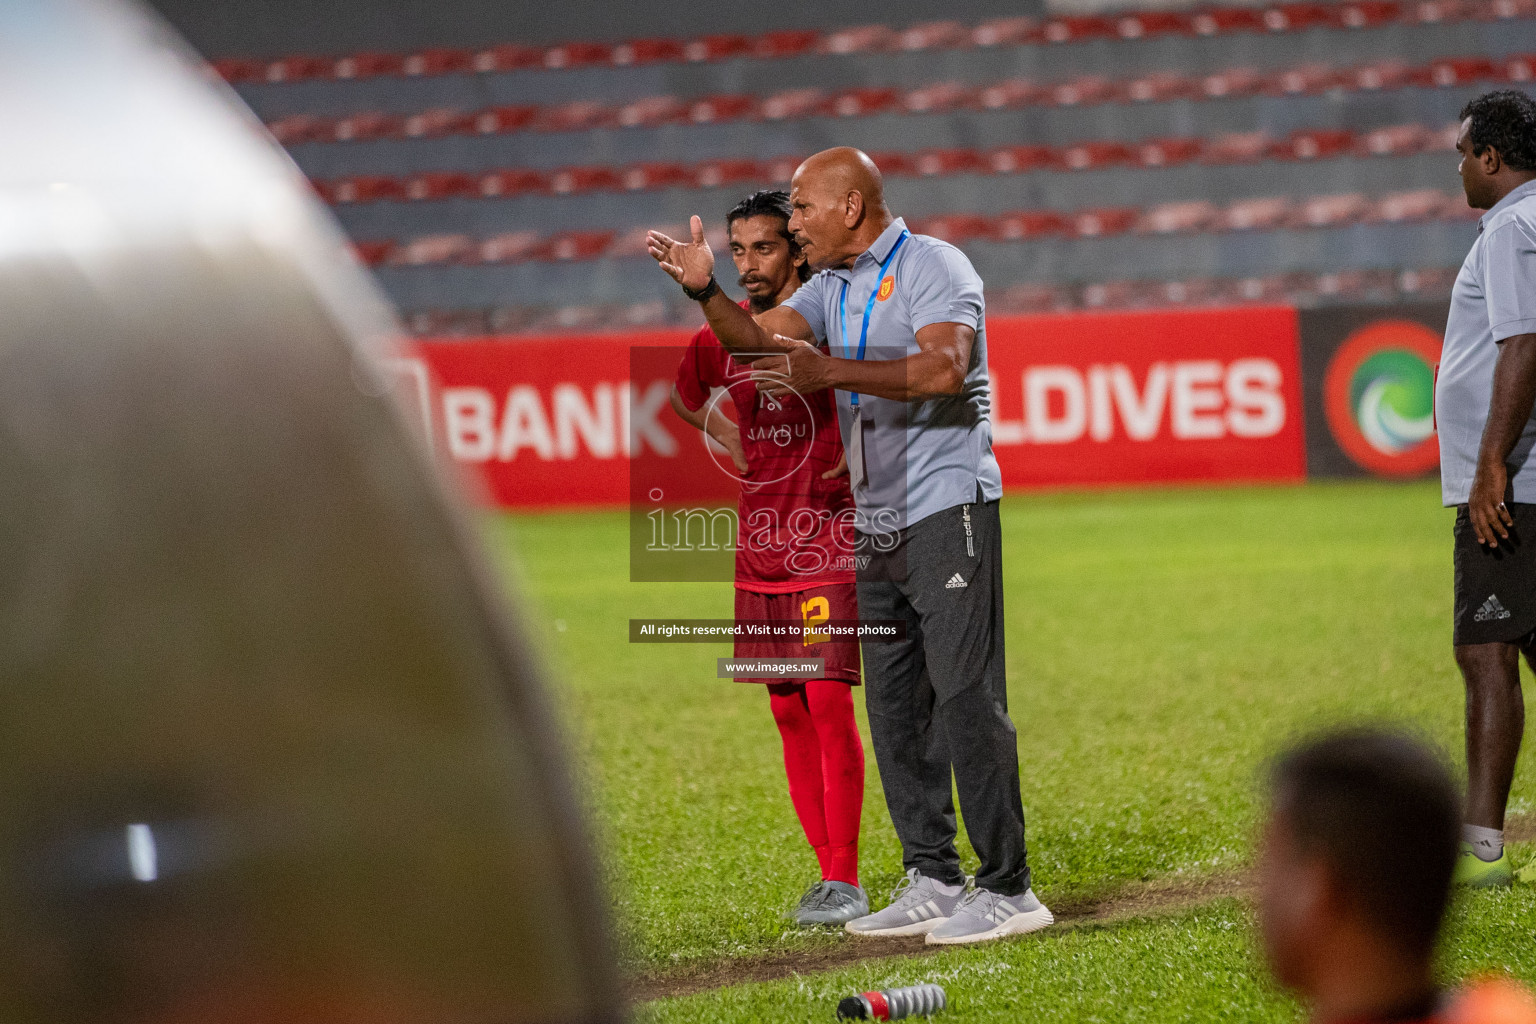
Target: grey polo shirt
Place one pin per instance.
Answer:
(1494, 298)
(920, 457)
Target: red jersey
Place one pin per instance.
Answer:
(795, 530)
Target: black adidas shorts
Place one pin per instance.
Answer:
(1496, 587)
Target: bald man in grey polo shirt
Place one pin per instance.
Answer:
(1484, 392)
(903, 317)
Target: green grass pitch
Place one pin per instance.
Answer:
(1161, 645)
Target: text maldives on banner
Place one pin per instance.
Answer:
(1147, 397)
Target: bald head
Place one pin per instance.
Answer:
(838, 197)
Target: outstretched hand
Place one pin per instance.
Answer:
(690, 263)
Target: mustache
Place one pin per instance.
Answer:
(749, 279)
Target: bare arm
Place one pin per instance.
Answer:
(1514, 394)
(939, 368)
(713, 422)
(692, 265)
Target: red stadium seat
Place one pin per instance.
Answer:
(1444, 139)
(1414, 205)
(368, 65)
(1022, 225)
(440, 185)
(650, 111)
(514, 182)
(299, 68)
(1159, 87)
(632, 243)
(723, 108)
(1014, 92)
(1316, 144)
(716, 173)
(438, 61)
(896, 164)
(666, 174)
(1032, 297)
(1396, 140)
(508, 57)
(1459, 71)
(1087, 156)
(1306, 80)
(1382, 74)
(568, 180)
(434, 249)
(1255, 214)
(1114, 294)
(647, 51)
(1427, 279)
(792, 103)
(786, 43)
(1077, 28)
(861, 102)
(374, 252)
(578, 55)
(931, 162)
(1178, 218)
(1220, 21)
(504, 120)
(1519, 68)
(1013, 31)
(1298, 17)
(437, 123)
(1330, 211)
(1142, 24)
(1271, 288)
(859, 39)
(1369, 13)
(1232, 82)
(298, 128)
(1020, 159)
(717, 47)
(575, 246)
(368, 125)
(366, 188)
(1168, 152)
(577, 116)
(240, 69)
(1356, 283)
(1236, 148)
(510, 247)
(939, 96)
(1435, 12)
(1084, 89)
(1105, 220)
(1193, 291)
(781, 168)
(957, 228)
(933, 35)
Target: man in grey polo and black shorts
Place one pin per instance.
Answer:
(903, 317)
(1484, 392)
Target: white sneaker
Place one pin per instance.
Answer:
(986, 915)
(917, 907)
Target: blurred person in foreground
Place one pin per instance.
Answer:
(1484, 391)
(905, 315)
(1354, 879)
(792, 474)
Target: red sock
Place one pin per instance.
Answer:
(802, 763)
(842, 775)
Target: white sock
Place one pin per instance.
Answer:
(954, 890)
(1487, 843)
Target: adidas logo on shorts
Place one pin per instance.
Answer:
(1491, 610)
(956, 581)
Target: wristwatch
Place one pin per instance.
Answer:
(703, 294)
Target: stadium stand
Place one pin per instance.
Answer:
(1298, 151)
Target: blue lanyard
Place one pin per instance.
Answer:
(842, 306)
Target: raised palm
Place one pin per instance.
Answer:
(690, 263)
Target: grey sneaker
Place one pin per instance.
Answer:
(831, 903)
(917, 907)
(988, 915)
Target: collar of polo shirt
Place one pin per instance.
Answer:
(876, 253)
(1516, 194)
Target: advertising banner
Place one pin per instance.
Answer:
(1078, 400)
(1369, 375)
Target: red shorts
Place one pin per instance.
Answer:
(838, 602)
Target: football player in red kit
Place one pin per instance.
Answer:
(794, 562)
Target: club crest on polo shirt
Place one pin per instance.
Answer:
(886, 287)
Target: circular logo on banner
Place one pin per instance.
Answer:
(1379, 397)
